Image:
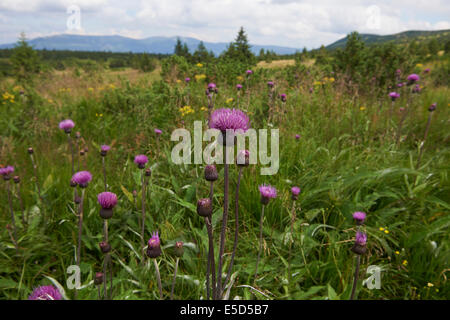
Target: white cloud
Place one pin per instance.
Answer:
(280, 22)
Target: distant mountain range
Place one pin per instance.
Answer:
(166, 45)
(162, 45)
(402, 37)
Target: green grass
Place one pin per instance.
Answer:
(345, 161)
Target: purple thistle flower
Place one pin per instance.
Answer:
(107, 200)
(211, 87)
(270, 84)
(104, 149)
(243, 158)
(249, 72)
(158, 131)
(399, 85)
(394, 95)
(154, 241)
(141, 160)
(66, 125)
(412, 78)
(297, 136)
(267, 192)
(283, 97)
(45, 293)
(239, 86)
(361, 238)
(427, 70)
(311, 90)
(359, 217)
(432, 107)
(187, 80)
(416, 88)
(6, 170)
(398, 72)
(82, 178)
(232, 119)
(295, 191)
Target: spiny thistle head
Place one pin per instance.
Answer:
(359, 217)
(394, 95)
(45, 293)
(141, 160)
(204, 207)
(283, 97)
(66, 125)
(243, 158)
(104, 150)
(212, 87)
(154, 246)
(6, 172)
(82, 178)
(295, 191)
(267, 192)
(105, 247)
(359, 246)
(229, 119)
(413, 78)
(211, 173)
(107, 201)
(99, 278)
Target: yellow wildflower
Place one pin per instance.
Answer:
(419, 65)
(199, 65)
(381, 228)
(405, 262)
(429, 284)
(362, 108)
(229, 100)
(199, 77)
(397, 252)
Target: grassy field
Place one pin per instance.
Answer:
(346, 159)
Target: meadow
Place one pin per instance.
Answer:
(348, 148)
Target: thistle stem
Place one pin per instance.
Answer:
(174, 278)
(104, 174)
(290, 243)
(158, 278)
(236, 230)
(105, 260)
(223, 232)
(211, 266)
(80, 227)
(260, 240)
(355, 281)
(143, 217)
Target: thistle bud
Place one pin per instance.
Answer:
(243, 158)
(30, 150)
(16, 179)
(432, 107)
(204, 207)
(148, 172)
(154, 246)
(211, 173)
(178, 249)
(105, 247)
(360, 243)
(99, 278)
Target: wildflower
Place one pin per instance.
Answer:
(429, 284)
(231, 119)
(394, 95)
(5, 172)
(359, 217)
(104, 150)
(405, 262)
(212, 87)
(82, 178)
(267, 192)
(249, 72)
(211, 173)
(381, 229)
(153, 248)
(66, 125)
(107, 201)
(297, 136)
(99, 278)
(412, 78)
(141, 161)
(104, 247)
(432, 107)
(243, 158)
(229, 100)
(295, 191)
(386, 231)
(158, 132)
(45, 293)
(283, 97)
(270, 84)
(397, 252)
(239, 86)
(416, 89)
(187, 80)
(427, 70)
(360, 243)
(199, 77)
(199, 65)
(204, 207)
(362, 108)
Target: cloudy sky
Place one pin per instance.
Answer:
(292, 23)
